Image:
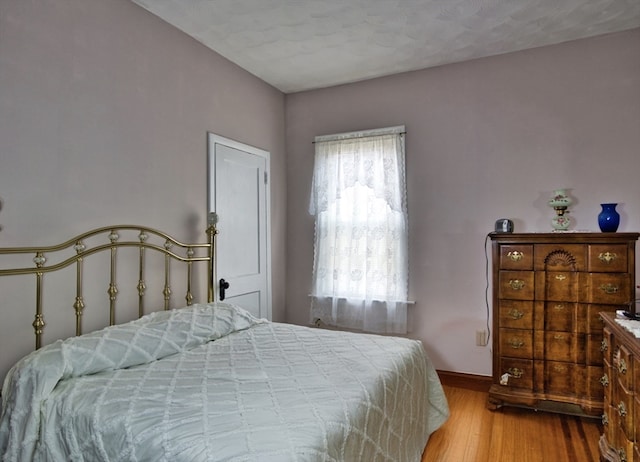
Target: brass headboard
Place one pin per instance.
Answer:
(147, 239)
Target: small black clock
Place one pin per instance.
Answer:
(503, 225)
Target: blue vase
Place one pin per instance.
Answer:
(609, 218)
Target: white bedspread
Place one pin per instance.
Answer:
(213, 383)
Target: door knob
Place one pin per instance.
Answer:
(224, 285)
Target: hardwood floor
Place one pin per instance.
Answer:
(475, 434)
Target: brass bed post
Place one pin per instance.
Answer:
(212, 219)
(113, 288)
(142, 286)
(189, 296)
(38, 322)
(167, 265)
(78, 306)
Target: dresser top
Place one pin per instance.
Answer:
(577, 237)
(629, 339)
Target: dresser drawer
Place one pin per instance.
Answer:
(557, 286)
(636, 415)
(517, 314)
(516, 257)
(559, 257)
(607, 381)
(607, 258)
(624, 448)
(623, 365)
(607, 346)
(616, 437)
(559, 346)
(594, 389)
(610, 425)
(516, 343)
(519, 373)
(559, 316)
(607, 288)
(516, 285)
(559, 377)
(623, 404)
(636, 378)
(593, 349)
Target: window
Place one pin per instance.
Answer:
(360, 270)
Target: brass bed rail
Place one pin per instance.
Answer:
(148, 239)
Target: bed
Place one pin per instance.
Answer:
(210, 382)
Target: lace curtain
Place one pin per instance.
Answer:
(360, 271)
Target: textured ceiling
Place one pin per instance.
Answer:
(299, 45)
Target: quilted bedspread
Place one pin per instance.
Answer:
(213, 383)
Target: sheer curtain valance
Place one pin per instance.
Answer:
(360, 273)
(368, 158)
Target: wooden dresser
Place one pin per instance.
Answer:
(548, 291)
(621, 379)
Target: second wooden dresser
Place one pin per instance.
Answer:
(620, 419)
(548, 291)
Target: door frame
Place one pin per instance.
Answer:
(212, 139)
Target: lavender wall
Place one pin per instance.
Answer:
(104, 113)
(486, 139)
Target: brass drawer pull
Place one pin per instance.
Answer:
(604, 380)
(516, 343)
(515, 372)
(622, 409)
(609, 289)
(516, 284)
(622, 366)
(561, 277)
(515, 314)
(604, 345)
(559, 368)
(515, 255)
(558, 337)
(559, 307)
(607, 257)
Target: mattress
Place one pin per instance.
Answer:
(213, 383)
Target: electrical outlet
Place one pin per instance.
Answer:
(481, 337)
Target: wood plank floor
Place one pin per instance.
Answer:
(475, 434)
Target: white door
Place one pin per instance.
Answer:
(239, 194)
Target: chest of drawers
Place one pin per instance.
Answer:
(621, 416)
(548, 292)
